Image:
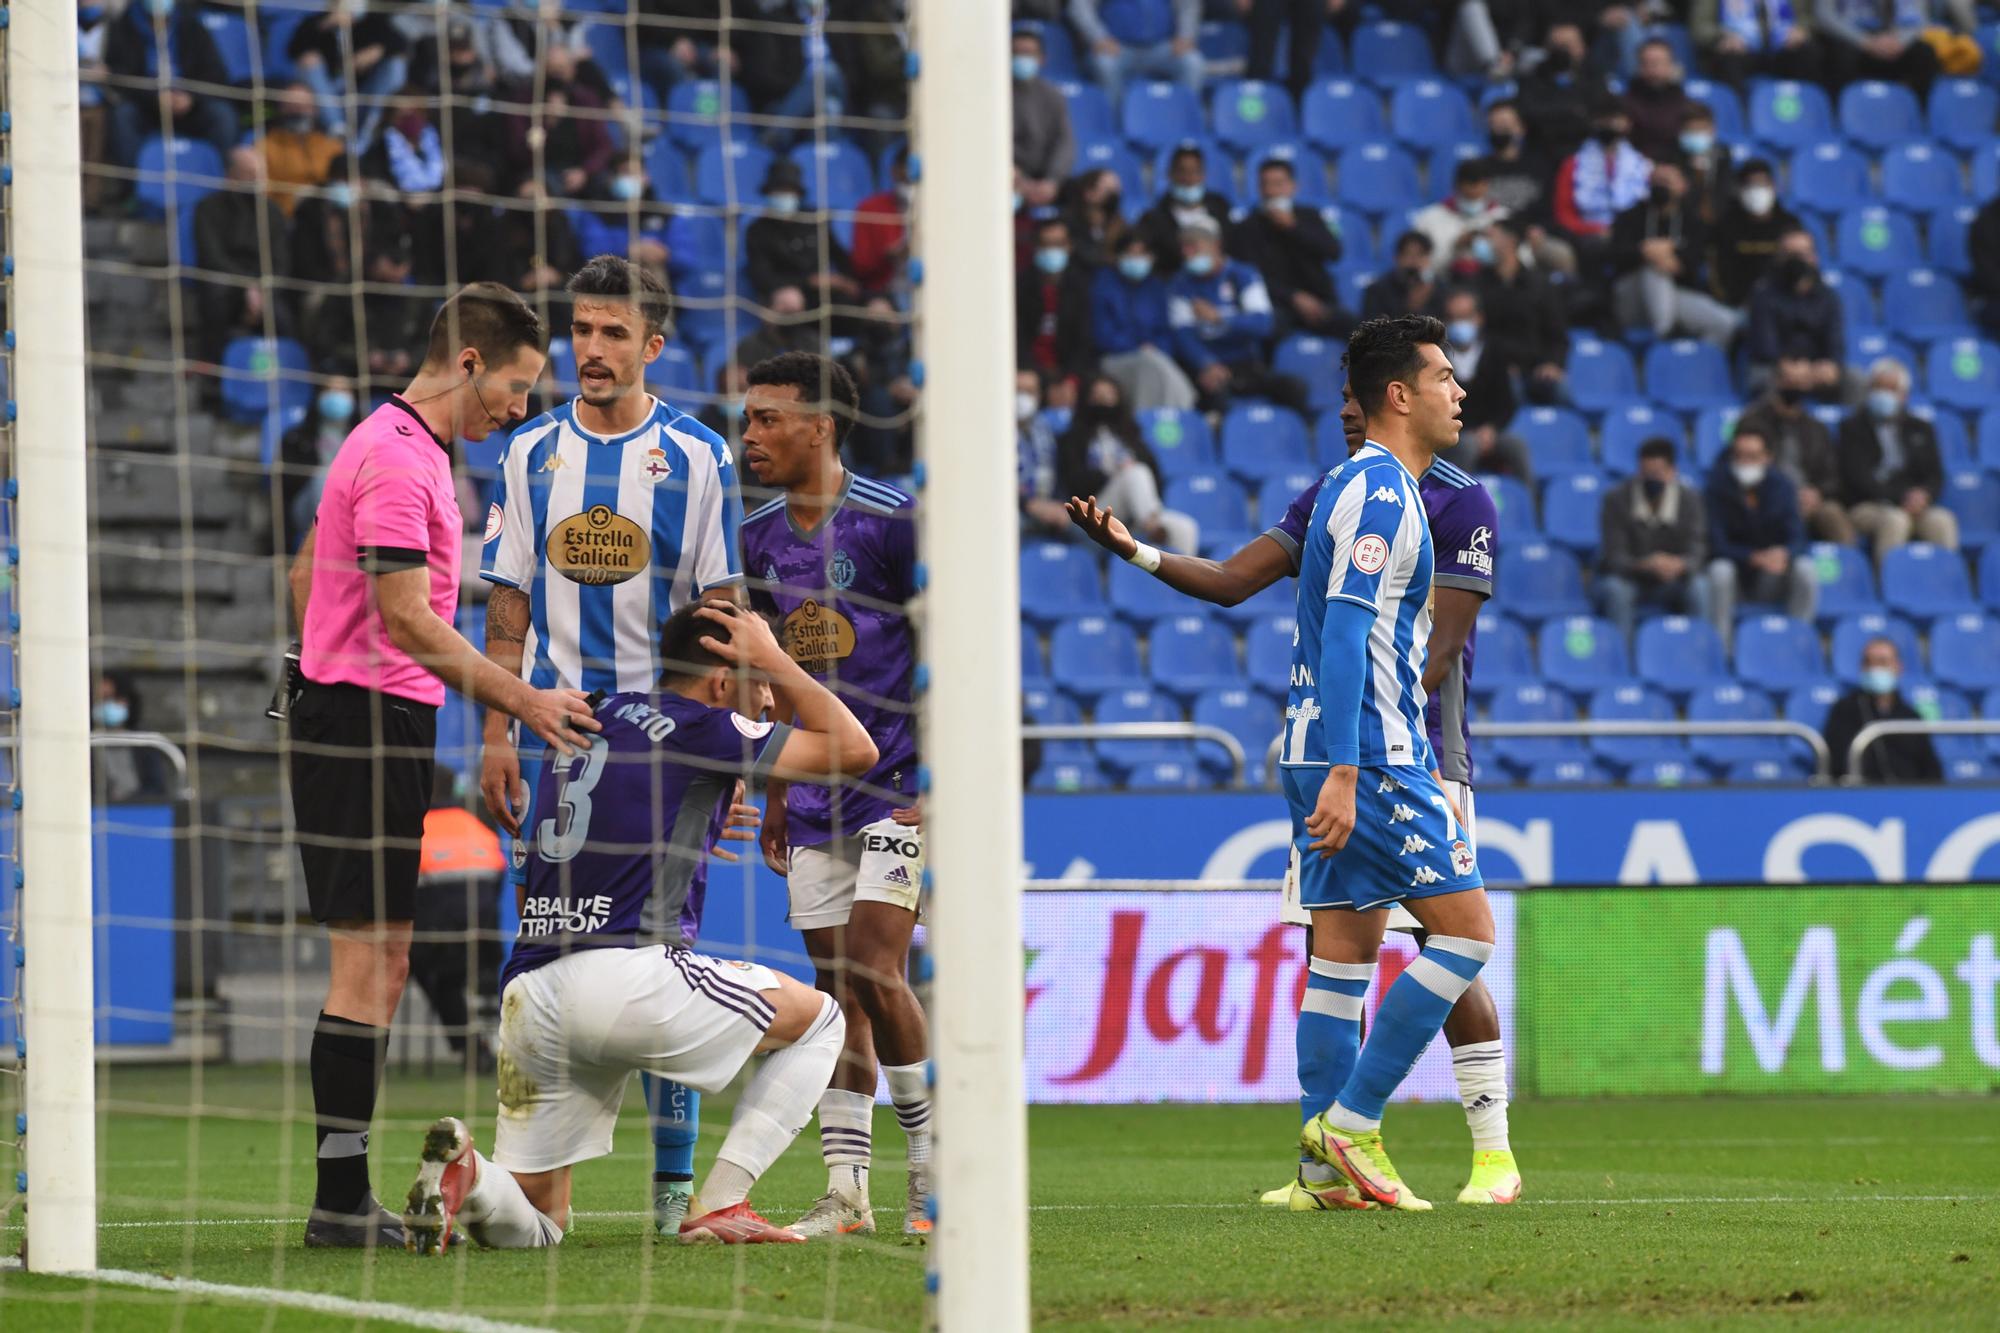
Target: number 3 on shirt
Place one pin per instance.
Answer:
(561, 836)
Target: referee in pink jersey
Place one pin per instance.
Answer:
(375, 587)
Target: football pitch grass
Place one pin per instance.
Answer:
(1832, 1212)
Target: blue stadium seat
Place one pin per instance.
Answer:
(701, 112)
(1138, 597)
(1963, 113)
(1059, 579)
(1281, 599)
(1267, 650)
(1034, 662)
(1714, 427)
(1922, 582)
(1975, 498)
(1965, 651)
(1571, 509)
(1192, 653)
(667, 169)
(1180, 772)
(1258, 435)
(1277, 485)
(1921, 177)
(1532, 703)
(230, 33)
(1224, 42)
(730, 172)
(1379, 179)
(1852, 634)
(1058, 51)
(1829, 177)
(1442, 163)
(698, 242)
(1069, 775)
(1630, 425)
(1948, 236)
(1732, 703)
(1211, 498)
(1111, 154)
(1249, 113)
(1986, 171)
(1777, 653)
(1856, 297)
(1091, 654)
(1181, 441)
(1634, 703)
(1317, 362)
(1515, 505)
(703, 301)
(1337, 113)
(1567, 773)
(1155, 113)
(1505, 657)
(1760, 772)
(175, 173)
(1875, 242)
(1988, 34)
(1090, 113)
(850, 176)
(1539, 582)
(1431, 114)
(1989, 576)
(677, 370)
(1964, 758)
(1221, 543)
(277, 27)
(1601, 375)
(1876, 115)
(1679, 654)
(1386, 52)
(1954, 445)
(1865, 346)
(1557, 437)
(1786, 114)
(1137, 702)
(1688, 375)
(1965, 373)
(1722, 102)
(1810, 703)
(1253, 718)
(1329, 440)
(1044, 706)
(265, 375)
(1218, 168)
(1582, 654)
(1666, 773)
(1357, 237)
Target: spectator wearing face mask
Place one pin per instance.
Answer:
(1186, 199)
(1891, 471)
(1757, 537)
(1710, 172)
(1044, 145)
(1658, 248)
(1744, 39)
(297, 152)
(1878, 697)
(782, 249)
(1103, 453)
(1793, 313)
(1220, 313)
(118, 772)
(1655, 102)
(1468, 211)
(1525, 314)
(1747, 234)
(1131, 333)
(1092, 203)
(1803, 446)
(1052, 307)
(1602, 179)
(1292, 247)
(1560, 97)
(1653, 543)
(1487, 375)
(1042, 512)
(1519, 175)
(1409, 288)
(628, 221)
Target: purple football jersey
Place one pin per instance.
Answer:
(1465, 536)
(623, 830)
(840, 592)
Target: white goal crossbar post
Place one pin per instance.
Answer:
(53, 594)
(971, 708)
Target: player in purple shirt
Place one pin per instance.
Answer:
(589, 995)
(834, 558)
(1465, 535)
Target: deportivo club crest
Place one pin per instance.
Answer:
(654, 469)
(840, 570)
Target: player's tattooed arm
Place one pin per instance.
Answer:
(506, 619)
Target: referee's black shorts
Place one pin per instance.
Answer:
(361, 768)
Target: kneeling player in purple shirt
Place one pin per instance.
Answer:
(621, 830)
(1465, 533)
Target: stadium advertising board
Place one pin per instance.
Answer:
(1880, 988)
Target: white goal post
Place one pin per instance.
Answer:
(45, 211)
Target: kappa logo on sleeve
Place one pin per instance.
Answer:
(1370, 554)
(1387, 496)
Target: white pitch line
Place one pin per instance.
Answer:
(315, 1302)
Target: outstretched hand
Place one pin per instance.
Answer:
(1102, 526)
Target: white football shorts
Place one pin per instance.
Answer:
(572, 1032)
(883, 863)
(1291, 914)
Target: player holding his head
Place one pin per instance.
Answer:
(1465, 533)
(1370, 818)
(374, 590)
(614, 510)
(835, 556)
(589, 995)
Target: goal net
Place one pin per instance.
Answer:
(274, 198)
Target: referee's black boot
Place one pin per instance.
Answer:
(368, 1225)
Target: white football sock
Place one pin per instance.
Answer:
(774, 1108)
(846, 1142)
(1481, 1071)
(909, 1089)
(498, 1215)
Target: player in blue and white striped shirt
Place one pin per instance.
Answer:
(614, 510)
(1370, 819)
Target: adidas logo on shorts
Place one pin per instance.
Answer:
(897, 875)
(1425, 875)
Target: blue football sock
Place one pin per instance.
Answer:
(675, 1113)
(1409, 1016)
(1329, 1032)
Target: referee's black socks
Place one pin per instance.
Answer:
(347, 1059)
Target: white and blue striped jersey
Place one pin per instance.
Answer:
(1369, 543)
(609, 537)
